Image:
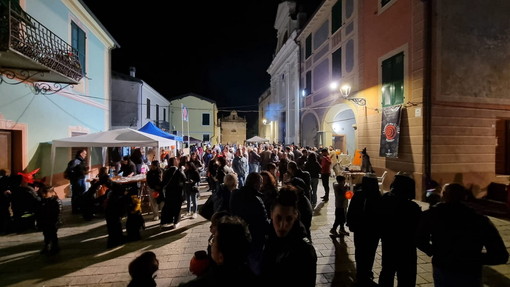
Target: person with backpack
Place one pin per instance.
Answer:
(75, 172)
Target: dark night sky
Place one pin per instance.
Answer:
(217, 49)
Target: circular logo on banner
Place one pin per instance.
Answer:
(390, 131)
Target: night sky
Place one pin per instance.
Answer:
(216, 49)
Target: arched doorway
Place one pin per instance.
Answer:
(344, 131)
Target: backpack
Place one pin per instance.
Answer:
(68, 172)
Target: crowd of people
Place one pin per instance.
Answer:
(263, 200)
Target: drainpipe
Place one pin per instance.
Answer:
(300, 97)
(427, 85)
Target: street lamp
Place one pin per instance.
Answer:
(345, 91)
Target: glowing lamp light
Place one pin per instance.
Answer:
(333, 86)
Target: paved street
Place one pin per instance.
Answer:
(85, 261)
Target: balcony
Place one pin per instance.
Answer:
(164, 125)
(31, 52)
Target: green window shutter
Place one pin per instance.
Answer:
(393, 80)
(78, 39)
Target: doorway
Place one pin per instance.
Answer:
(339, 142)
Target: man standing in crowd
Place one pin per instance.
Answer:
(240, 167)
(78, 169)
(325, 172)
(459, 240)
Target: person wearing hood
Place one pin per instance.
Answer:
(399, 217)
(289, 257)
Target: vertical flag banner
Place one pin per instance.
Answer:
(390, 131)
(185, 116)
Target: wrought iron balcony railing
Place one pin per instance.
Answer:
(31, 52)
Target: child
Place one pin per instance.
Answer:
(142, 270)
(202, 261)
(48, 218)
(340, 206)
(134, 221)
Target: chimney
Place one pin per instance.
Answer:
(132, 72)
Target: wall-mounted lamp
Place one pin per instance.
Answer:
(266, 122)
(345, 91)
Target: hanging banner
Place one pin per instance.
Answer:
(184, 113)
(390, 131)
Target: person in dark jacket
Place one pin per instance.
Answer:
(49, 218)
(5, 202)
(222, 197)
(253, 160)
(294, 171)
(269, 190)
(24, 201)
(304, 206)
(362, 219)
(399, 218)
(115, 209)
(79, 169)
(247, 203)
(127, 167)
(92, 196)
(459, 240)
(289, 257)
(138, 159)
(173, 185)
(153, 178)
(191, 188)
(229, 251)
(313, 167)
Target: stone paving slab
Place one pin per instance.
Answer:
(85, 261)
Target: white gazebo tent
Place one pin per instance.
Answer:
(112, 138)
(257, 139)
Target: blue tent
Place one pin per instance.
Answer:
(151, 128)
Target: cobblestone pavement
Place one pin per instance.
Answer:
(85, 261)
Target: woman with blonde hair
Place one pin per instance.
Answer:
(222, 197)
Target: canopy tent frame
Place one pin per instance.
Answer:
(111, 138)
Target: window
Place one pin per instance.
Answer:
(148, 109)
(205, 138)
(336, 17)
(393, 80)
(164, 115)
(206, 119)
(78, 38)
(503, 146)
(308, 82)
(157, 112)
(336, 64)
(308, 46)
(384, 2)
